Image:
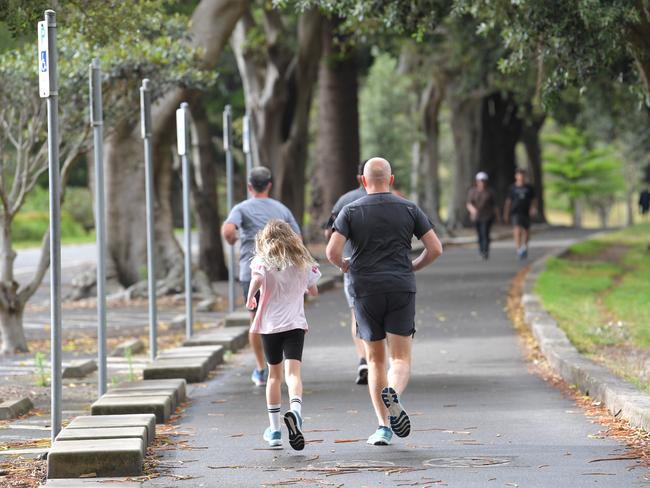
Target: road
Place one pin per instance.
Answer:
(480, 418)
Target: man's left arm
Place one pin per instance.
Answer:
(336, 243)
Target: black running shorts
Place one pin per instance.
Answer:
(386, 312)
(520, 220)
(283, 345)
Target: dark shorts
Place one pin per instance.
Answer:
(283, 345)
(386, 312)
(245, 285)
(521, 220)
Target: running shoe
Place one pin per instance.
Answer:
(381, 437)
(259, 377)
(362, 374)
(399, 419)
(293, 421)
(273, 437)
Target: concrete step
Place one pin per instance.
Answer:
(160, 406)
(79, 368)
(108, 457)
(237, 319)
(102, 433)
(192, 370)
(15, 407)
(92, 483)
(134, 345)
(179, 385)
(136, 392)
(213, 353)
(147, 420)
(232, 338)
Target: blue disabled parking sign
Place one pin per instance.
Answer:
(43, 60)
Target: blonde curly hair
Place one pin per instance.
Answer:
(279, 247)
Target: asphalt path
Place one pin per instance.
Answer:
(480, 417)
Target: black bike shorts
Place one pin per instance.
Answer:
(386, 312)
(283, 345)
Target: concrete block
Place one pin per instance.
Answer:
(110, 457)
(179, 385)
(134, 392)
(15, 407)
(147, 420)
(101, 433)
(213, 353)
(232, 338)
(135, 345)
(79, 368)
(192, 370)
(237, 319)
(91, 483)
(160, 406)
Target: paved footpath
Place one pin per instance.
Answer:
(480, 418)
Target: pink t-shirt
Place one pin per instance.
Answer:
(282, 298)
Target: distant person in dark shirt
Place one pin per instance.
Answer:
(483, 211)
(644, 202)
(380, 227)
(521, 205)
(349, 197)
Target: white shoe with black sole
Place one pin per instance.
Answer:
(400, 422)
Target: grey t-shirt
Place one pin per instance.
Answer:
(380, 228)
(349, 197)
(250, 216)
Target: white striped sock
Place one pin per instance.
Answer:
(296, 405)
(274, 416)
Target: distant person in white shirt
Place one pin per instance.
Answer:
(283, 271)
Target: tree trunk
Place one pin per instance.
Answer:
(499, 137)
(204, 194)
(466, 128)
(278, 85)
(11, 306)
(337, 148)
(212, 24)
(630, 208)
(576, 213)
(530, 139)
(432, 99)
(11, 326)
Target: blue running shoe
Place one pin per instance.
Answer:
(293, 421)
(381, 437)
(273, 437)
(399, 419)
(259, 377)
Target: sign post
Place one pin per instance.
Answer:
(47, 84)
(182, 138)
(97, 123)
(145, 128)
(227, 146)
(246, 146)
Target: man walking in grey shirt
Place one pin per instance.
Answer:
(246, 219)
(380, 227)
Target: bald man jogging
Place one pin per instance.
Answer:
(380, 227)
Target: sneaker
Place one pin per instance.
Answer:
(259, 377)
(362, 374)
(399, 419)
(381, 437)
(273, 437)
(293, 421)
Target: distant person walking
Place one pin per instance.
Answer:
(283, 271)
(349, 197)
(644, 202)
(483, 211)
(244, 221)
(521, 205)
(380, 227)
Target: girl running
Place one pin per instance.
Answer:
(283, 270)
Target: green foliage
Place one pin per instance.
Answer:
(41, 376)
(385, 118)
(578, 171)
(29, 227)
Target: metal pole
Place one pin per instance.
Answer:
(145, 127)
(97, 122)
(227, 146)
(182, 131)
(48, 67)
(246, 143)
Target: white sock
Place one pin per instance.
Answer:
(296, 405)
(274, 416)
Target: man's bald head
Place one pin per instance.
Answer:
(377, 175)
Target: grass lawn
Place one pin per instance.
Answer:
(599, 293)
